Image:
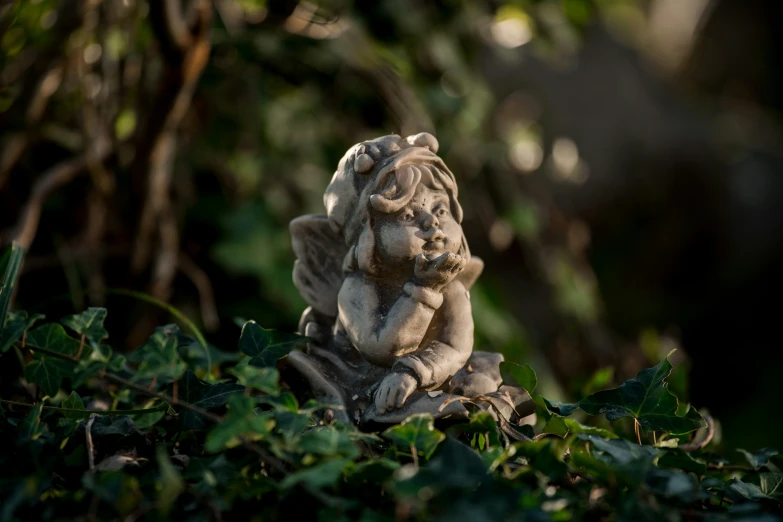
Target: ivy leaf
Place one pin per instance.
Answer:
(240, 421)
(679, 459)
(323, 475)
(48, 373)
(71, 419)
(31, 427)
(771, 484)
(749, 490)
(158, 357)
(267, 346)
(327, 442)
(89, 324)
(627, 461)
(645, 398)
(16, 324)
(119, 490)
(204, 395)
(74, 402)
(52, 337)
(523, 374)
(10, 264)
(545, 455)
(760, 459)
(262, 379)
(417, 431)
(170, 483)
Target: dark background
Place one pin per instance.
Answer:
(619, 162)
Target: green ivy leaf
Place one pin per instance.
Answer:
(328, 442)
(241, 421)
(16, 324)
(644, 398)
(771, 484)
(629, 462)
(417, 431)
(545, 455)
(204, 395)
(760, 459)
(623, 451)
(323, 475)
(262, 379)
(118, 490)
(267, 346)
(89, 324)
(10, 264)
(170, 483)
(52, 337)
(73, 401)
(48, 373)
(31, 427)
(523, 374)
(158, 357)
(749, 490)
(679, 459)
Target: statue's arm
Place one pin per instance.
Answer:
(441, 358)
(384, 338)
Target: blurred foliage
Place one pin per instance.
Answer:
(288, 86)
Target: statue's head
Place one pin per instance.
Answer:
(392, 199)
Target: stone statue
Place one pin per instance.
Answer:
(387, 273)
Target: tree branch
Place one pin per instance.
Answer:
(53, 179)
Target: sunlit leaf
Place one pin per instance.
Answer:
(645, 398)
(264, 379)
(417, 431)
(522, 373)
(88, 323)
(241, 421)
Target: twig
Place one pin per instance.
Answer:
(636, 431)
(415, 457)
(108, 413)
(204, 287)
(88, 441)
(50, 181)
(186, 49)
(18, 143)
(162, 396)
(699, 442)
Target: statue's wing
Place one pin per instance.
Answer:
(471, 272)
(320, 252)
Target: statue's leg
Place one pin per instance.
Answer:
(324, 390)
(479, 376)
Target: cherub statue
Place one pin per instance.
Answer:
(386, 273)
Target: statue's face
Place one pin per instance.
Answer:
(425, 225)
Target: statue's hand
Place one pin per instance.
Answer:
(393, 391)
(439, 272)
